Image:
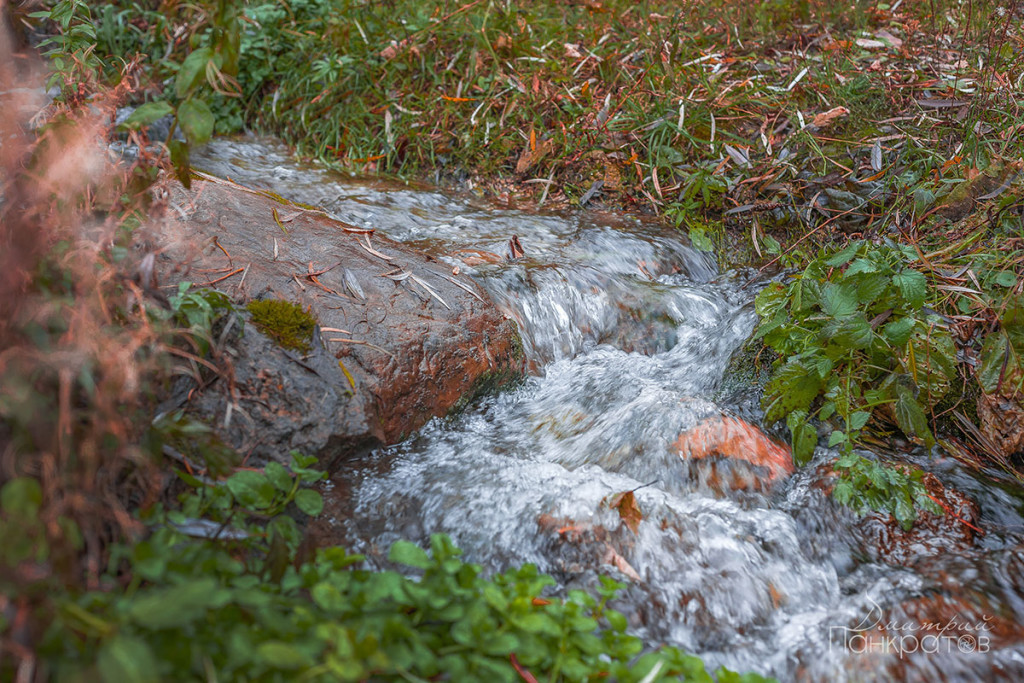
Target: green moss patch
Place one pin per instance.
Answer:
(286, 323)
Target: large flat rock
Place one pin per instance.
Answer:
(401, 337)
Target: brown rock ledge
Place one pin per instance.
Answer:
(389, 353)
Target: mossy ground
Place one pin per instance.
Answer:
(287, 323)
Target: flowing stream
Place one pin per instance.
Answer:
(629, 335)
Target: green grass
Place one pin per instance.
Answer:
(699, 109)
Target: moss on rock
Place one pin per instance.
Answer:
(285, 322)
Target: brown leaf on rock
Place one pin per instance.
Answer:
(625, 504)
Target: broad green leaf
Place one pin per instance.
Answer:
(146, 114)
(898, 332)
(912, 285)
(870, 286)
(910, 415)
(847, 461)
(251, 489)
(804, 437)
(843, 492)
(192, 69)
(859, 419)
(923, 200)
(179, 150)
(853, 332)
(791, 388)
(700, 239)
(861, 265)
(1007, 278)
(838, 301)
(329, 598)
(278, 476)
(127, 659)
(932, 363)
(997, 363)
(1012, 321)
(904, 513)
(383, 586)
(770, 300)
(837, 437)
(536, 622)
(843, 257)
(162, 608)
(282, 655)
(196, 120)
(820, 365)
(309, 501)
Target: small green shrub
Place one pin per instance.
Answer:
(869, 485)
(285, 322)
(199, 310)
(855, 340)
(218, 589)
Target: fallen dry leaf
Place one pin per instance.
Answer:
(826, 118)
(619, 562)
(889, 38)
(529, 157)
(515, 248)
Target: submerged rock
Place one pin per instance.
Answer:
(399, 337)
(734, 453)
(953, 530)
(882, 538)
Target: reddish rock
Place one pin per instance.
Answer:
(401, 339)
(734, 453)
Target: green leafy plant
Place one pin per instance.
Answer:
(218, 588)
(855, 341)
(199, 309)
(871, 485)
(1002, 354)
(72, 51)
(207, 70)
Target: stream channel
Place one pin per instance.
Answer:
(629, 333)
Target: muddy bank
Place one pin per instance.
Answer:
(399, 337)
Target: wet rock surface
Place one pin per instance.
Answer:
(400, 337)
(734, 453)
